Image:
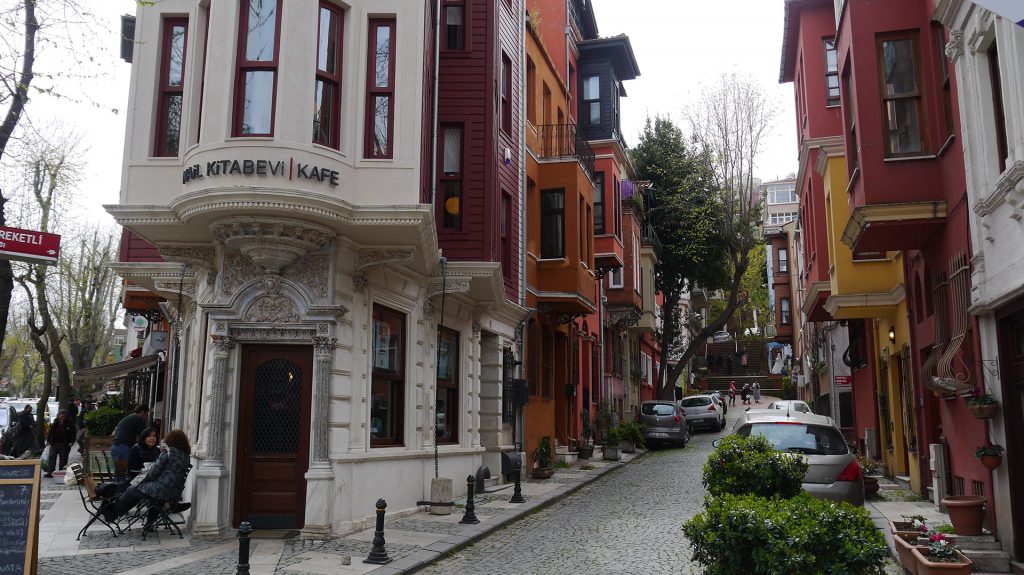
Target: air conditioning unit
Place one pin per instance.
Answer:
(871, 443)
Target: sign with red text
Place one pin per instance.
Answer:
(29, 246)
(843, 380)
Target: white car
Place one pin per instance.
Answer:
(721, 336)
(703, 411)
(791, 405)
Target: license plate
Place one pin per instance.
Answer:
(709, 420)
(659, 434)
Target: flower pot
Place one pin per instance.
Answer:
(626, 446)
(611, 452)
(986, 411)
(905, 552)
(871, 486)
(904, 529)
(965, 513)
(991, 461)
(543, 472)
(585, 452)
(925, 566)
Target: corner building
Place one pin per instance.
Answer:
(280, 181)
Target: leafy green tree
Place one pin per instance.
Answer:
(703, 211)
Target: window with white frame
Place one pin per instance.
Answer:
(615, 279)
(781, 218)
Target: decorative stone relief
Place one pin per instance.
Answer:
(187, 288)
(955, 46)
(193, 255)
(236, 270)
(359, 282)
(623, 318)
(221, 345)
(428, 309)
(272, 308)
(371, 258)
(272, 333)
(313, 272)
(324, 345)
(271, 243)
(323, 350)
(450, 286)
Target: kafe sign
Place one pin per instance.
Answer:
(29, 246)
(291, 170)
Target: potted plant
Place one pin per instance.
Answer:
(870, 467)
(983, 406)
(613, 439)
(586, 448)
(911, 527)
(543, 457)
(991, 455)
(965, 513)
(630, 436)
(940, 558)
(905, 545)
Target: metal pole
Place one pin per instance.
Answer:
(469, 517)
(517, 493)
(243, 548)
(378, 555)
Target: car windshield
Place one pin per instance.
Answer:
(795, 406)
(799, 438)
(656, 409)
(696, 401)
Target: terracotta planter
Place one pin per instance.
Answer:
(928, 567)
(966, 513)
(543, 472)
(904, 529)
(987, 411)
(991, 461)
(871, 486)
(905, 552)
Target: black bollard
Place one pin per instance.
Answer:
(517, 493)
(469, 517)
(378, 555)
(243, 548)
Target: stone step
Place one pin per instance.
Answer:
(976, 542)
(989, 561)
(1016, 568)
(903, 481)
(566, 457)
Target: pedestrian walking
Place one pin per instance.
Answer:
(746, 394)
(126, 434)
(732, 393)
(60, 438)
(757, 392)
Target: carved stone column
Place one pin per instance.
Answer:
(222, 346)
(320, 475)
(210, 497)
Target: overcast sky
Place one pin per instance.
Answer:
(679, 45)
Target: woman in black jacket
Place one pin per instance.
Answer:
(163, 484)
(144, 451)
(60, 438)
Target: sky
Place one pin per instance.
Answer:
(680, 46)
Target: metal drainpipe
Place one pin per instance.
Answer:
(521, 219)
(433, 119)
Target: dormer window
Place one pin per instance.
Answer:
(592, 100)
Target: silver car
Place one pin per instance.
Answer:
(832, 472)
(663, 423)
(704, 411)
(791, 405)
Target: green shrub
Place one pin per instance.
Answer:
(788, 389)
(751, 465)
(102, 420)
(750, 535)
(630, 431)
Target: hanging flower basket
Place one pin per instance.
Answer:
(991, 456)
(983, 406)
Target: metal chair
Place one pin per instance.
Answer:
(163, 511)
(93, 504)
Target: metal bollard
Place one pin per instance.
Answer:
(469, 517)
(378, 555)
(517, 493)
(243, 548)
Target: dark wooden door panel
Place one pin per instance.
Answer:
(1011, 367)
(273, 436)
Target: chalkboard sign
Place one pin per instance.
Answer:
(19, 516)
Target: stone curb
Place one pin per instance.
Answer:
(429, 555)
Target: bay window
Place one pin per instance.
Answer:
(172, 68)
(387, 394)
(256, 80)
(592, 100)
(327, 95)
(903, 119)
(380, 90)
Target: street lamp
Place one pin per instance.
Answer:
(892, 334)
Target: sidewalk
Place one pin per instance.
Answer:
(893, 503)
(412, 541)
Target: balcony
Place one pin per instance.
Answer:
(563, 141)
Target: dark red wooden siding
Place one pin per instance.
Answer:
(136, 249)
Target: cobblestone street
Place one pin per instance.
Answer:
(628, 521)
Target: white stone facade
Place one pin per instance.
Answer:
(279, 257)
(994, 194)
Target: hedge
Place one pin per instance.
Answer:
(751, 535)
(752, 465)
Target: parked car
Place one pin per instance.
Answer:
(721, 399)
(721, 336)
(704, 411)
(832, 472)
(664, 422)
(791, 405)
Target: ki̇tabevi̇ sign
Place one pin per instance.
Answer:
(279, 168)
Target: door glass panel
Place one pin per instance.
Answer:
(277, 407)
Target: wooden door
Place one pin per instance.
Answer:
(1011, 370)
(273, 436)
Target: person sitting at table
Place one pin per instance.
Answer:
(144, 451)
(163, 484)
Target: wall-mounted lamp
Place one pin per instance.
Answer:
(892, 335)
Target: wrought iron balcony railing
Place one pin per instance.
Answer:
(563, 140)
